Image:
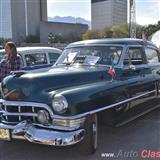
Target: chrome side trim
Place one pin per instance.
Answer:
(103, 108)
(15, 103)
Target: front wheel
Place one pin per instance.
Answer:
(89, 143)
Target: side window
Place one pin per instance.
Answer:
(36, 59)
(152, 55)
(134, 56)
(53, 57)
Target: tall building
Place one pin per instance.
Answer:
(105, 13)
(5, 19)
(20, 18)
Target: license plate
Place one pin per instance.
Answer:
(4, 134)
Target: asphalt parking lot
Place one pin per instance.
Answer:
(126, 142)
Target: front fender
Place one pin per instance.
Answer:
(91, 97)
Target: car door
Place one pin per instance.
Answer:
(153, 59)
(141, 84)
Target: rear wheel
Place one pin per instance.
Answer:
(89, 143)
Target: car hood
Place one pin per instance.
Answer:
(37, 86)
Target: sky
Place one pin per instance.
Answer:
(74, 8)
(147, 11)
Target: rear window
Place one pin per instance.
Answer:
(152, 55)
(35, 59)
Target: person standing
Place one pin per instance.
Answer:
(11, 61)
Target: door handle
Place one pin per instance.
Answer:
(132, 67)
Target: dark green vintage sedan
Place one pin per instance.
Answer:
(111, 80)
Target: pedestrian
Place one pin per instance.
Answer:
(11, 61)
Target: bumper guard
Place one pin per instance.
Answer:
(28, 131)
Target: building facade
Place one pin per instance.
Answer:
(20, 18)
(105, 13)
(5, 19)
(69, 31)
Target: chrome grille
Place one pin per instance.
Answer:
(15, 112)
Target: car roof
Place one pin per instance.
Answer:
(120, 41)
(21, 49)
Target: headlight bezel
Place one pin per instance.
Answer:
(59, 104)
(43, 117)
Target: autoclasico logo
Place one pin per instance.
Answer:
(132, 154)
(150, 154)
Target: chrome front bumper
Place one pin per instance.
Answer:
(34, 134)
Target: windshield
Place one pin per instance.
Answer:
(105, 55)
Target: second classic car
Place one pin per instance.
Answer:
(36, 58)
(111, 80)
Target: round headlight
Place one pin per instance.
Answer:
(43, 117)
(60, 104)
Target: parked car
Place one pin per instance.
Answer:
(112, 81)
(36, 58)
(1, 47)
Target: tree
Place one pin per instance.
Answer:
(54, 38)
(139, 31)
(116, 31)
(120, 31)
(152, 28)
(91, 34)
(106, 33)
